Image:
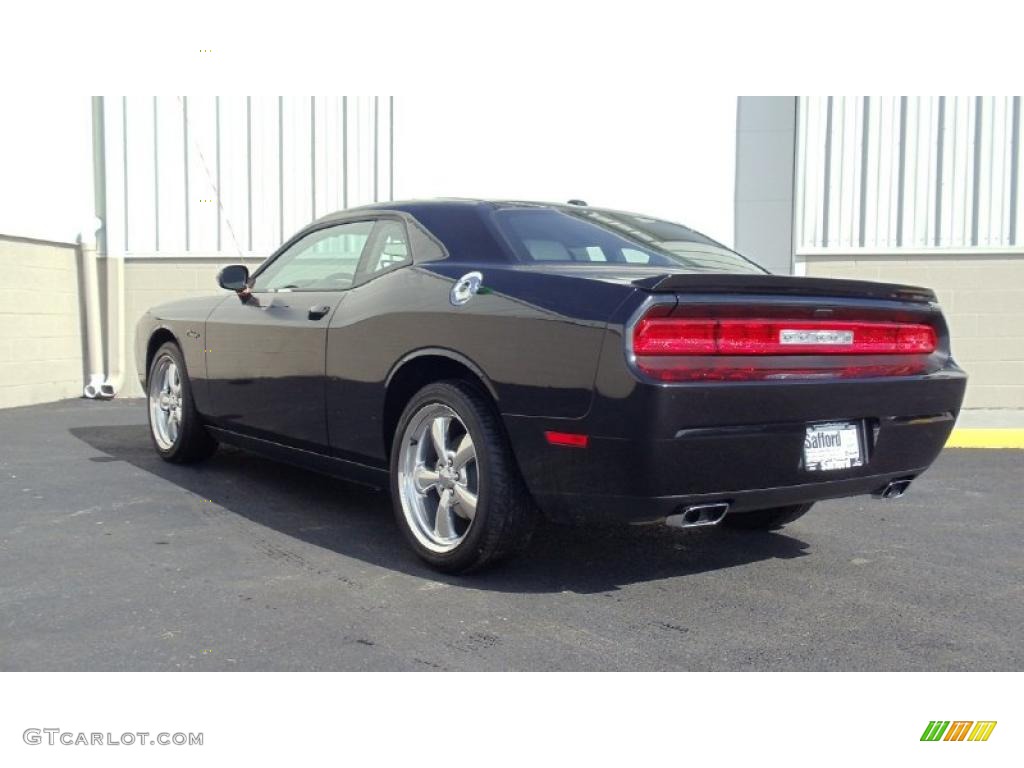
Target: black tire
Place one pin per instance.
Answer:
(765, 519)
(505, 513)
(192, 442)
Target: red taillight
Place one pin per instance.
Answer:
(660, 336)
(674, 336)
(673, 348)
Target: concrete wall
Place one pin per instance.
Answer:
(41, 343)
(42, 323)
(983, 299)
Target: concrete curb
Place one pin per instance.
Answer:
(986, 438)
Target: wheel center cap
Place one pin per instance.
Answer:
(447, 477)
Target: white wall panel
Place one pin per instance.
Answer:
(238, 174)
(201, 164)
(912, 172)
(234, 198)
(919, 190)
(169, 196)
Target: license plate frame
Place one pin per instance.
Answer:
(833, 446)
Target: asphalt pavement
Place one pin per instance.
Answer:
(111, 559)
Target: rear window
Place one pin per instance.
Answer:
(603, 237)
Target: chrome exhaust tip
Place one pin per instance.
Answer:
(893, 490)
(698, 516)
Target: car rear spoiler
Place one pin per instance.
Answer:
(783, 285)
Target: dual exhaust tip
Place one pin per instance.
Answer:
(701, 515)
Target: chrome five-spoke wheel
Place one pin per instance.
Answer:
(455, 486)
(439, 480)
(165, 402)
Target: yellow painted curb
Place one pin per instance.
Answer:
(986, 438)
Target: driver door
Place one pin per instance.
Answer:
(266, 356)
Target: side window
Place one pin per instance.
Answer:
(325, 260)
(389, 247)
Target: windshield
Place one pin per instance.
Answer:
(595, 237)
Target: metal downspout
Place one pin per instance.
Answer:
(91, 240)
(116, 328)
(93, 332)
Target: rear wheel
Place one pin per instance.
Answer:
(457, 493)
(174, 425)
(765, 519)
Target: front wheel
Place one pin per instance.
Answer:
(175, 427)
(457, 493)
(765, 519)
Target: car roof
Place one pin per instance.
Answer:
(443, 203)
(463, 204)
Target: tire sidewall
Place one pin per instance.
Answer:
(468, 550)
(171, 350)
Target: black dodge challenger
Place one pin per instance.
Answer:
(493, 361)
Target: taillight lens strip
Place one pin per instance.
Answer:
(675, 336)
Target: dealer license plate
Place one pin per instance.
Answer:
(832, 446)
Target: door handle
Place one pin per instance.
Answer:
(317, 311)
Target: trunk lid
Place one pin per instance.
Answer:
(782, 285)
(668, 280)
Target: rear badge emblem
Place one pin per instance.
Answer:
(466, 287)
(797, 337)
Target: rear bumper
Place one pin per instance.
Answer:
(593, 508)
(674, 446)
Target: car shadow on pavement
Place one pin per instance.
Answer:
(357, 522)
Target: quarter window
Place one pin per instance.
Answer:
(388, 248)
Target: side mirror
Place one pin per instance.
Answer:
(234, 278)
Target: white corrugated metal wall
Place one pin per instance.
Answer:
(908, 172)
(238, 174)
